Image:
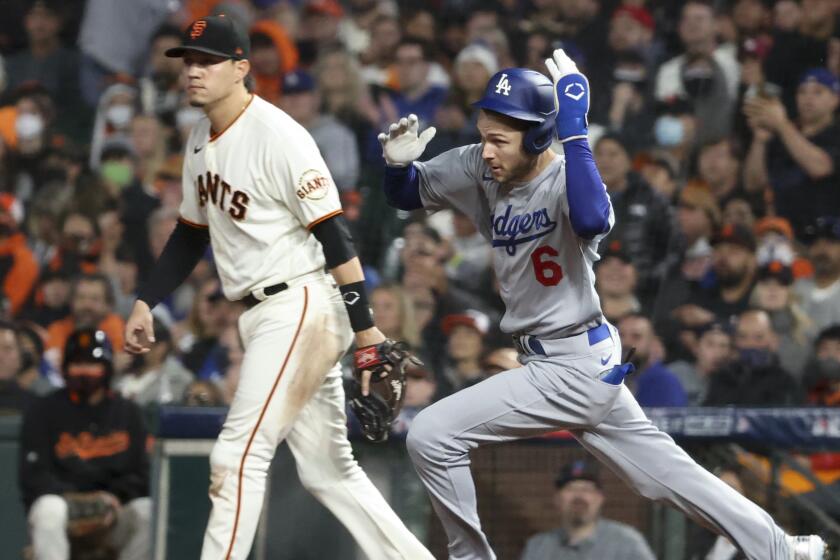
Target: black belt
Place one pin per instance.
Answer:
(250, 301)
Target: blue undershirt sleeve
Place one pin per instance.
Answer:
(589, 204)
(402, 187)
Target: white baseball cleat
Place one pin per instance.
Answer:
(806, 547)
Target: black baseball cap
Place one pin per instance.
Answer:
(580, 469)
(216, 35)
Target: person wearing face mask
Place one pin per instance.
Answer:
(116, 109)
(18, 267)
(629, 111)
(674, 130)
(773, 294)
(84, 443)
(754, 377)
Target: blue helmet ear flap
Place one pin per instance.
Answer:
(539, 137)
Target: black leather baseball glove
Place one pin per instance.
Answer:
(387, 362)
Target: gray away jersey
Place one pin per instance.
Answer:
(543, 267)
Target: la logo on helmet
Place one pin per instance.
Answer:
(503, 86)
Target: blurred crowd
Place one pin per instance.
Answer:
(713, 125)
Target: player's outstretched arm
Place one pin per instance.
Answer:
(401, 146)
(182, 252)
(589, 205)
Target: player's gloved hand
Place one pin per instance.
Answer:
(571, 90)
(375, 408)
(401, 145)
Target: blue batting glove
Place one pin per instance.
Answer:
(571, 96)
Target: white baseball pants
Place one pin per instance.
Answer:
(290, 388)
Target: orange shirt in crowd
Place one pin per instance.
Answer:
(58, 331)
(21, 277)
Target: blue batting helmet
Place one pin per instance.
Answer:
(525, 95)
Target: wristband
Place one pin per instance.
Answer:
(358, 309)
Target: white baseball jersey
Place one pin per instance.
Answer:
(543, 267)
(260, 185)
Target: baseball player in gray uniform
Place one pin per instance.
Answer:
(544, 214)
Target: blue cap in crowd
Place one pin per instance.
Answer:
(823, 76)
(298, 81)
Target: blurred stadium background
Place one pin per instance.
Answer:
(713, 124)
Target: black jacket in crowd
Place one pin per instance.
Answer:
(643, 226)
(739, 384)
(68, 447)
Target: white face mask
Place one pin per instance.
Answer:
(119, 115)
(188, 117)
(28, 126)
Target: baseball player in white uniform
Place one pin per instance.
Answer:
(257, 189)
(544, 214)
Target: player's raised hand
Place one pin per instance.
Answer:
(571, 95)
(401, 145)
(139, 334)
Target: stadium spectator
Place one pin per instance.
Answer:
(302, 101)
(378, 58)
(206, 322)
(84, 442)
(91, 306)
(583, 533)
(273, 55)
(711, 351)
(820, 295)
(774, 294)
(78, 247)
(797, 159)
(468, 267)
(160, 87)
(34, 117)
(822, 376)
(653, 384)
(414, 92)
(804, 36)
(719, 167)
(661, 171)
(52, 299)
(18, 267)
(107, 56)
(642, 217)
(465, 345)
(156, 377)
(706, 73)
(627, 110)
(775, 241)
(755, 377)
(35, 375)
(615, 281)
(115, 110)
(394, 314)
(734, 265)
(45, 60)
(675, 132)
(13, 397)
